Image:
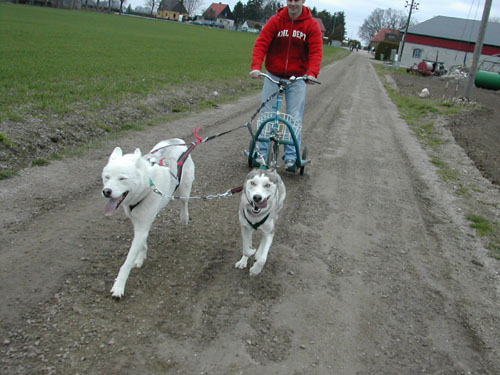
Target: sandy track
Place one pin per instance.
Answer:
(371, 271)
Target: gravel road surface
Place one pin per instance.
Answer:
(373, 269)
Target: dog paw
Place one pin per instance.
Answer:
(184, 217)
(256, 269)
(250, 252)
(139, 261)
(117, 291)
(242, 263)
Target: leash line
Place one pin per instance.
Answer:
(226, 194)
(200, 140)
(191, 146)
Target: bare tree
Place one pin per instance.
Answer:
(121, 5)
(192, 6)
(380, 19)
(494, 19)
(152, 4)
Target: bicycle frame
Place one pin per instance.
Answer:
(275, 121)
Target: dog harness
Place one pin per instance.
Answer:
(256, 225)
(132, 206)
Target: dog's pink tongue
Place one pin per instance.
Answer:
(261, 204)
(110, 208)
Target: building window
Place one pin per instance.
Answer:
(417, 53)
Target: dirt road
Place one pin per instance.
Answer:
(373, 269)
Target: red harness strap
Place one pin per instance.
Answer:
(199, 140)
(182, 159)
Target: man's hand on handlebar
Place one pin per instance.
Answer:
(310, 80)
(255, 74)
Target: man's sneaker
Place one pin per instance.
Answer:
(290, 165)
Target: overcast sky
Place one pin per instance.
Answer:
(356, 11)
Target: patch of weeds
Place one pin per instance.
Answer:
(38, 162)
(448, 174)
(476, 189)
(134, 126)
(14, 117)
(208, 104)
(7, 174)
(444, 170)
(145, 109)
(494, 249)
(180, 109)
(106, 128)
(4, 139)
(55, 156)
(481, 224)
(425, 133)
(449, 109)
(491, 204)
(462, 191)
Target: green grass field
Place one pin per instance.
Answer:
(55, 61)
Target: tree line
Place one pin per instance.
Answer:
(261, 10)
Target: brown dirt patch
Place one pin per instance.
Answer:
(477, 131)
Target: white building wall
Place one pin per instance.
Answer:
(449, 57)
(227, 23)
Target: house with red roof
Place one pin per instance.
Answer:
(388, 35)
(220, 14)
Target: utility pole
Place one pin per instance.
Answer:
(477, 49)
(412, 6)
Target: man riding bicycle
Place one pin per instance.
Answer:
(292, 45)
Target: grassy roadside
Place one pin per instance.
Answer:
(423, 117)
(68, 78)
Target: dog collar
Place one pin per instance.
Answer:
(256, 225)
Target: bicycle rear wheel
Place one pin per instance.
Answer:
(304, 159)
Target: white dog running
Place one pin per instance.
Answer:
(126, 180)
(262, 199)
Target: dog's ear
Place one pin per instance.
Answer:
(273, 175)
(254, 172)
(137, 155)
(117, 153)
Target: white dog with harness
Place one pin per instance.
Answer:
(127, 183)
(262, 199)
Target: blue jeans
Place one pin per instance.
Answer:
(295, 98)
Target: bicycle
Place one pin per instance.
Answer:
(277, 129)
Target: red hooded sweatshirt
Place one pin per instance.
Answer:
(290, 47)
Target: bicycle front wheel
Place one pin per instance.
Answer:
(272, 154)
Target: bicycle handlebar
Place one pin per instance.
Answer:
(291, 79)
